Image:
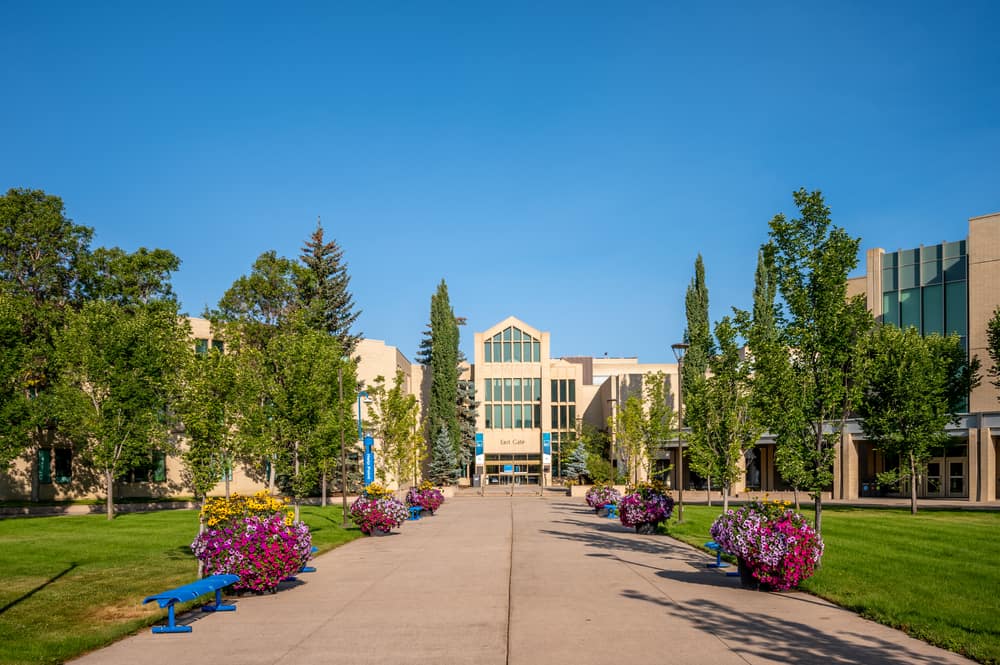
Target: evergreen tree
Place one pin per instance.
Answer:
(323, 290)
(467, 410)
(443, 464)
(575, 466)
(442, 411)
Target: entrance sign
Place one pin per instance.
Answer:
(369, 461)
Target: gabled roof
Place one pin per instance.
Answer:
(512, 321)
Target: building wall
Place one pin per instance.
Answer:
(984, 297)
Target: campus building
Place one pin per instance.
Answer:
(531, 404)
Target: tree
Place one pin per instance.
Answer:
(993, 346)
(698, 336)
(394, 419)
(822, 327)
(443, 356)
(212, 405)
(575, 466)
(40, 255)
(733, 423)
(659, 422)
(120, 370)
(630, 443)
(323, 290)
(443, 465)
(468, 408)
(914, 386)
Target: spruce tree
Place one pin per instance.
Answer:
(576, 466)
(443, 464)
(467, 408)
(323, 289)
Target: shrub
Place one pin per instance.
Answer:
(261, 550)
(219, 512)
(777, 544)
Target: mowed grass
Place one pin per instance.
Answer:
(935, 575)
(74, 584)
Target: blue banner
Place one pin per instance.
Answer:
(479, 443)
(508, 468)
(369, 461)
(546, 443)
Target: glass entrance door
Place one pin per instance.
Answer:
(956, 478)
(934, 487)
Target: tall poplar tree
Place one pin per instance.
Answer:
(323, 290)
(812, 260)
(442, 352)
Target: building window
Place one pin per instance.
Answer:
(563, 424)
(44, 460)
(512, 345)
(511, 403)
(219, 345)
(151, 470)
(63, 465)
(201, 346)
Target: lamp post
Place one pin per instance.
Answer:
(343, 448)
(679, 350)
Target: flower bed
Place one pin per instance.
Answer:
(426, 496)
(777, 544)
(600, 495)
(252, 537)
(377, 509)
(647, 504)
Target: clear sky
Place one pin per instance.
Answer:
(561, 162)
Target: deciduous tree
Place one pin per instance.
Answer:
(395, 421)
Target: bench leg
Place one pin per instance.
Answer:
(218, 607)
(719, 563)
(171, 626)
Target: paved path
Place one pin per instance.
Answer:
(518, 581)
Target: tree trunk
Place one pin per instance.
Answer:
(225, 476)
(795, 495)
(709, 491)
(725, 498)
(818, 495)
(201, 530)
(913, 485)
(322, 490)
(271, 473)
(296, 484)
(109, 487)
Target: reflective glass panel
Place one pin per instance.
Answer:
(487, 355)
(518, 420)
(517, 390)
(890, 308)
(517, 352)
(562, 390)
(930, 273)
(506, 416)
(954, 268)
(517, 335)
(497, 416)
(527, 416)
(508, 390)
(506, 334)
(889, 281)
(572, 390)
(956, 309)
(488, 392)
(909, 276)
(528, 384)
(538, 389)
(555, 390)
(933, 310)
(537, 356)
(909, 308)
(506, 352)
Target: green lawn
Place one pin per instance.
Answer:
(935, 575)
(73, 584)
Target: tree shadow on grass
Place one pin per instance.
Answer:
(24, 597)
(755, 635)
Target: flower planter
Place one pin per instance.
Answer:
(378, 532)
(646, 528)
(601, 511)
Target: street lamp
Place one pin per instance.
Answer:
(679, 350)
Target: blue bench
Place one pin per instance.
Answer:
(189, 592)
(415, 512)
(612, 510)
(310, 569)
(719, 563)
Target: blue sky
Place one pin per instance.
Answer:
(561, 162)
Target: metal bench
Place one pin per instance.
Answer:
(719, 563)
(612, 509)
(415, 512)
(189, 592)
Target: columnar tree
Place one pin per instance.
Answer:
(395, 421)
(812, 261)
(441, 353)
(914, 386)
(40, 255)
(323, 290)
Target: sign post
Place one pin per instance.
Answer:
(546, 455)
(480, 463)
(369, 461)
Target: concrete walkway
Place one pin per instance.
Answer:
(517, 581)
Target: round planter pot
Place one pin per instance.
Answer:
(601, 512)
(378, 532)
(646, 528)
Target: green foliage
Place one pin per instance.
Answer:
(701, 347)
(993, 346)
(394, 420)
(120, 372)
(323, 290)
(443, 469)
(212, 404)
(731, 425)
(575, 466)
(468, 408)
(442, 354)
(821, 329)
(40, 254)
(914, 386)
(642, 426)
(116, 276)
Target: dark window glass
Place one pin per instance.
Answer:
(506, 416)
(572, 390)
(555, 418)
(528, 384)
(954, 269)
(930, 253)
(952, 249)
(517, 335)
(489, 390)
(572, 416)
(496, 343)
(527, 416)
(538, 390)
(507, 334)
(930, 273)
(527, 352)
(200, 346)
(909, 276)
(889, 281)
(563, 419)
(218, 345)
(562, 390)
(909, 257)
(538, 416)
(487, 352)
(537, 346)
(506, 352)
(555, 390)
(889, 259)
(63, 465)
(160, 467)
(517, 352)
(518, 420)
(508, 390)
(489, 415)
(497, 390)
(497, 416)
